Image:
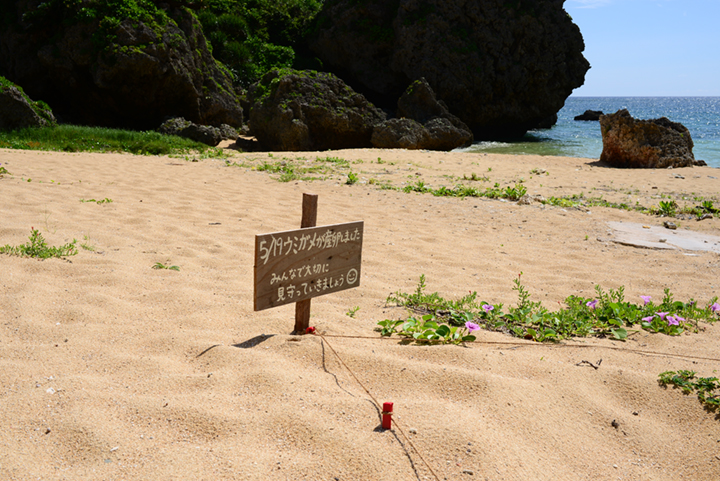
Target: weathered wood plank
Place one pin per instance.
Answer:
(293, 266)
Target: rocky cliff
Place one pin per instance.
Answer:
(117, 64)
(501, 66)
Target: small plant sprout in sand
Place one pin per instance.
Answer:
(352, 311)
(38, 248)
(87, 246)
(476, 178)
(352, 178)
(160, 265)
(606, 315)
(102, 201)
(667, 208)
(3, 171)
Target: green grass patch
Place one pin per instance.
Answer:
(608, 314)
(289, 169)
(73, 138)
(38, 248)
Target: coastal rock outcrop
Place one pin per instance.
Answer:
(116, 71)
(501, 67)
(590, 115)
(206, 134)
(404, 133)
(655, 143)
(308, 110)
(18, 111)
(424, 123)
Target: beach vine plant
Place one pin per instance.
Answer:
(665, 208)
(495, 192)
(37, 247)
(706, 388)
(607, 314)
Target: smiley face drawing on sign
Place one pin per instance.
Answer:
(352, 276)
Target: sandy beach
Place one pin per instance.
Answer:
(113, 370)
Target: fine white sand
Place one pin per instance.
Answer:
(112, 370)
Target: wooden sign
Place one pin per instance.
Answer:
(297, 265)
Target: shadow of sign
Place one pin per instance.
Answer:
(253, 341)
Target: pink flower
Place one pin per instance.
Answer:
(715, 307)
(648, 319)
(672, 321)
(592, 304)
(471, 326)
(488, 308)
(662, 315)
(646, 299)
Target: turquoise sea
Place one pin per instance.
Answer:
(571, 138)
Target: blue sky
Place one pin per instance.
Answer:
(649, 48)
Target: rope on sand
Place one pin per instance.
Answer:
(517, 344)
(312, 330)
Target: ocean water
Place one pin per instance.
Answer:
(572, 138)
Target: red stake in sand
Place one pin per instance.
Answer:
(387, 415)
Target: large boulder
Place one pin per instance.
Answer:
(180, 127)
(425, 123)
(116, 71)
(501, 67)
(656, 143)
(18, 111)
(308, 110)
(404, 133)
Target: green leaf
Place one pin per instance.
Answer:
(470, 338)
(620, 333)
(430, 325)
(549, 333)
(443, 330)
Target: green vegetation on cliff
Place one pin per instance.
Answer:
(252, 37)
(41, 108)
(107, 14)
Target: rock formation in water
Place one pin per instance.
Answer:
(18, 111)
(503, 67)
(656, 143)
(590, 115)
(115, 71)
(307, 110)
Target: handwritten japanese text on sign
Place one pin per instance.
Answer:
(296, 265)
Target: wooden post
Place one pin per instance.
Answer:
(309, 219)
